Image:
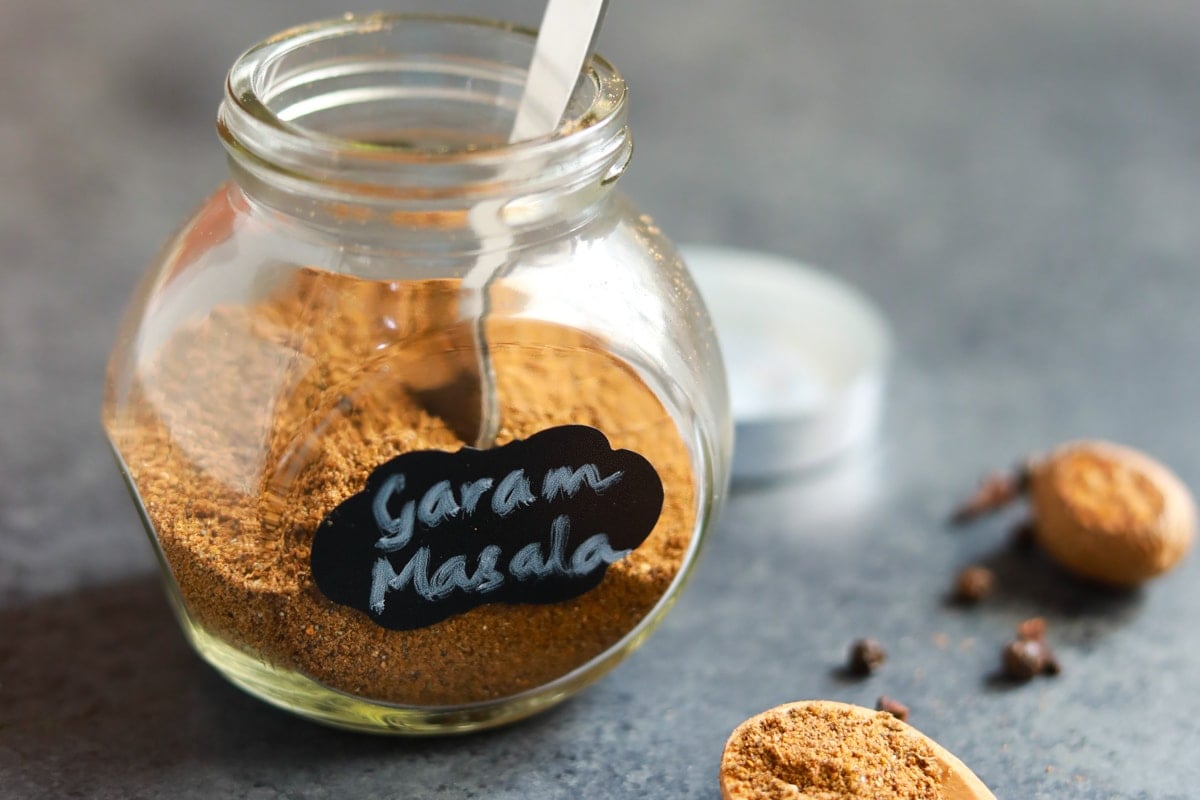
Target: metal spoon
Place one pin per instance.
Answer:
(564, 45)
(565, 41)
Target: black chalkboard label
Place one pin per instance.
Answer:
(434, 534)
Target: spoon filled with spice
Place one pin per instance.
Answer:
(820, 748)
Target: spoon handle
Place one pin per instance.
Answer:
(564, 44)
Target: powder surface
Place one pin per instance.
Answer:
(244, 429)
(824, 753)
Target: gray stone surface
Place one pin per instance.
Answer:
(1018, 185)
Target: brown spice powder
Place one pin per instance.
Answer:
(244, 430)
(821, 752)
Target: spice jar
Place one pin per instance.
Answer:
(426, 427)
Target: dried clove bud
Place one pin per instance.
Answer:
(1029, 655)
(973, 584)
(866, 656)
(893, 707)
(994, 492)
(1023, 659)
(1032, 630)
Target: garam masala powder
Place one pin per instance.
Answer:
(822, 751)
(245, 429)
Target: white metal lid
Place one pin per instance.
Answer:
(806, 356)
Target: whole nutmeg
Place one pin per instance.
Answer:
(1110, 513)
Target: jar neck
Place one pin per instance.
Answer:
(394, 128)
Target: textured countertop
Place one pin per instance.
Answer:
(1017, 184)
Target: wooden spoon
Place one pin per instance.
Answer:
(959, 782)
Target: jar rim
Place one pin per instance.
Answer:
(246, 81)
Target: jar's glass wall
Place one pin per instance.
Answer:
(284, 348)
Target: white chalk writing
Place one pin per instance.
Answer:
(532, 562)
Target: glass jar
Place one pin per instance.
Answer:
(426, 427)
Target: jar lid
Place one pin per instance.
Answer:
(806, 356)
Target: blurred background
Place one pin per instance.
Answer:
(1017, 184)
